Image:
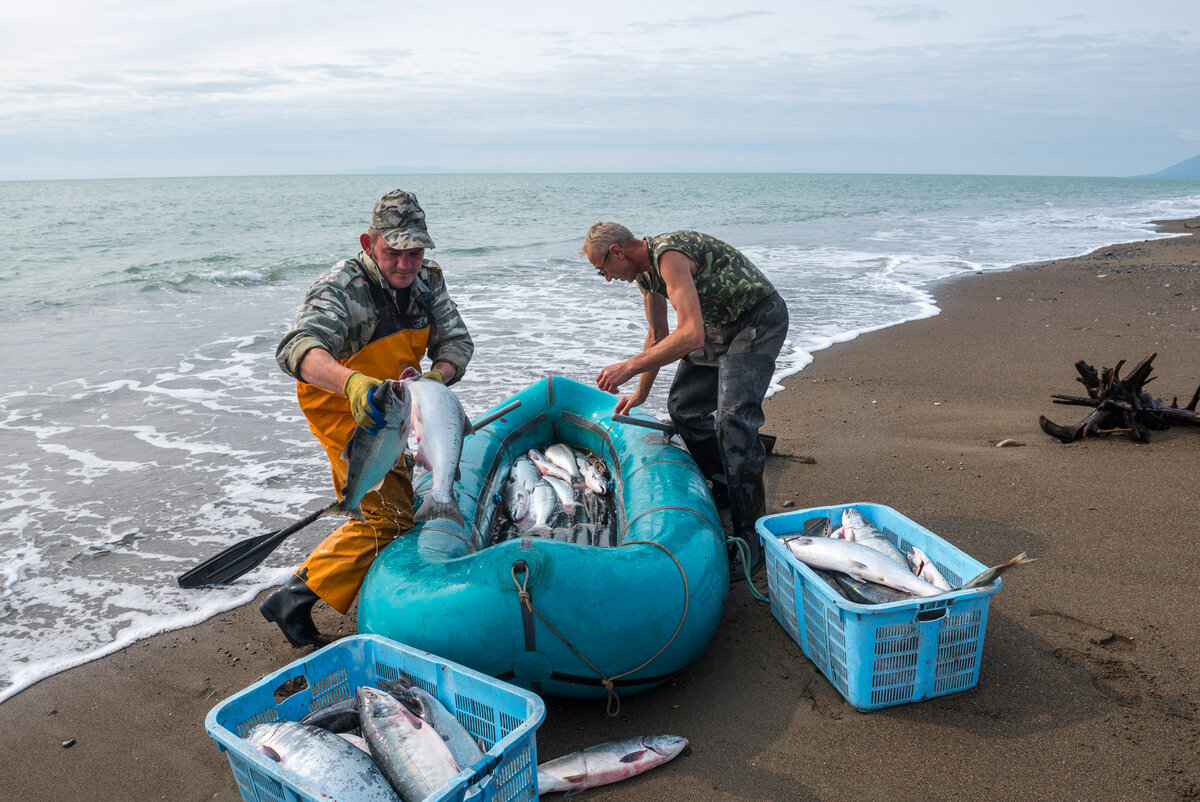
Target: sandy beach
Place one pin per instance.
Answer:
(1089, 687)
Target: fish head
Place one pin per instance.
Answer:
(666, 745)
(374, 703)
(394, 402)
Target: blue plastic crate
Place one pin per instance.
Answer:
(503, 717)
(880, 655)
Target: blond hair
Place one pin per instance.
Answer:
(601, 236)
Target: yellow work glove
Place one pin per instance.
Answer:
(358, 389)
(434, 374)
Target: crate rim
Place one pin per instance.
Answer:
(946, 599)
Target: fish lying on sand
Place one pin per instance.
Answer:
(440, 424)
(324, 759)
(607, 763)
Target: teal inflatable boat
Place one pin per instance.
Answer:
(552, 616)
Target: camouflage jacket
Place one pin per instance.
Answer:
(728, 283)
(339, 315)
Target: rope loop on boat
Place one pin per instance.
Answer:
(613, 706)
(744, 551)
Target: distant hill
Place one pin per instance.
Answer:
(1189, 168)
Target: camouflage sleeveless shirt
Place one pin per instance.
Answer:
(727, 282)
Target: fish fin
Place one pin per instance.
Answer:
(271, 753)
(422, 459)
(431, 509)
(409, 373)
(575, 778)
(633, 756)
(345, 455)
(858, 565)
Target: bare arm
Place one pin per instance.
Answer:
(661, 348)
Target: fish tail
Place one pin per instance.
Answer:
(988, 576)
(431, 508)
(341, 508)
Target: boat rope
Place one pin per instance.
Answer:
(613, 706)
(744, 552)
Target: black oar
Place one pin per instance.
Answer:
(767, 440)
(244, 556)
(650, 423)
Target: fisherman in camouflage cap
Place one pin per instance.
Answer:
(363, 321)
(730, 325)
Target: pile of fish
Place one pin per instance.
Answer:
(395, 742)
(398, 742)
(561, 493)
(863, 566)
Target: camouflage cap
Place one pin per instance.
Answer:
(402, 222)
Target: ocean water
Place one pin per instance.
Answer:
(144, 425)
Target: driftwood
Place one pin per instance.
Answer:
(1121, 406)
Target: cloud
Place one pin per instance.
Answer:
(899, 14)
(702, 21)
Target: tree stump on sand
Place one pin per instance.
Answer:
(1121, 406)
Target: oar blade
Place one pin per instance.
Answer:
(227, 566)
(244, 556)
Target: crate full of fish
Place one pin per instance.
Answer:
(367, 718)
(890, 612)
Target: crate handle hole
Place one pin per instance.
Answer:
(931, 615)
(290, 687)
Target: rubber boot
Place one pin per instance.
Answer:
(747, 503)
(291, 608)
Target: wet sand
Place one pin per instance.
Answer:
(1090, 681)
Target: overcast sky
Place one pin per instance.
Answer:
(100, 88)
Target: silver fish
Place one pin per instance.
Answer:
(515, 498)
(525, 472)
(562, 456)
(923, 567)
(462, 746)
(865, 592)
(563, 491)
(607, 763)
(440, 423)
(368, 456)
(595, 479)
(542, 504)
(858, 529)
(324, 759)
(859, 561)
(547, 467)
(411, 754)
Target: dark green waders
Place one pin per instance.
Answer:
(715, 404)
